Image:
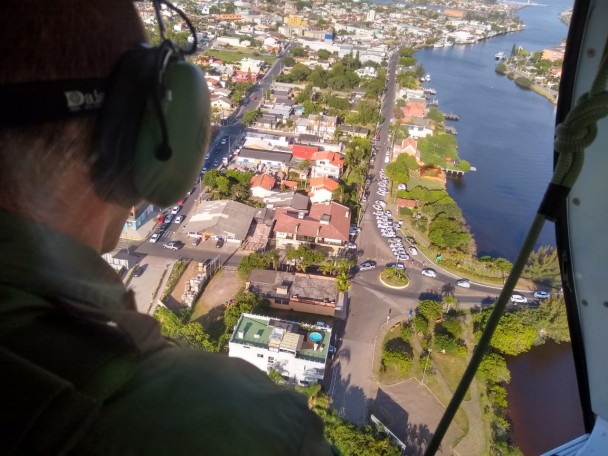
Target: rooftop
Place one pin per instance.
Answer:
(282, 335)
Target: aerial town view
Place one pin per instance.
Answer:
(360, 205)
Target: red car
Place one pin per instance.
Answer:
(182, 201)
(161, 219)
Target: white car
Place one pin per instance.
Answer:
(155, 237)
(518, 299)
(175, 209)
(179, 219)
(351, 246)
(540, 294)
(429, 272)
(464, 283)
(413, 251)
(380, 203)
(322, 325)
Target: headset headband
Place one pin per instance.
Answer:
(38, 102)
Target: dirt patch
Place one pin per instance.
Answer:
(222, 287)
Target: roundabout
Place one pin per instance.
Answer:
(394, 278)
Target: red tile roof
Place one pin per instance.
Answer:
(301, 151)
(334, 158)
(289, 184)
(319, 183)
(403, 202)
(325, 220)
(263, 180)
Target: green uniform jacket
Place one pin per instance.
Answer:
(64, 309)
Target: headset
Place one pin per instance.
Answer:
(153, 117)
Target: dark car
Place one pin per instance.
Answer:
(196, 241)
(220, 243)
(139, 270)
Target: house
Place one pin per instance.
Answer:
(251, 65)
(221, 103)
(305, 138)
(263, 158)
(327, 164)
(292, 200)
(413, 110)
(354, 131)
(267, 121)
(303, 152)
(227, 219)
(303, 126)
(321, 189)
(322, 125)
(138, 215)
(408, 146)
(282, 111)
(418, 128)
(407, 203)
(326, 224)
(367, 72)
(261, 185)
(245, 76)
(272, 344)
(301, 292)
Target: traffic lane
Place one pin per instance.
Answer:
(227, 257)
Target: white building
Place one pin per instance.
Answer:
(296, 350)
(371, 15)
(252, 65)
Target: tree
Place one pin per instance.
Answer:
(493, 368)
(431, 310)
(436, 116)
(252, 261)
(210, 178)
(323, 54)
(298, 52)
(512, 336)
(303, 165)
(251, 116)
(398, 171)
(543, 266)
(289, 62)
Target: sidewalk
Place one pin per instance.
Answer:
(142, 232)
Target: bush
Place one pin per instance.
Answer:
(399, 360)
(421, 324)
(448, 344)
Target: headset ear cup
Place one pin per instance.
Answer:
(187, 115)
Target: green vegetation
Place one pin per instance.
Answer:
(395, 277)
(257, 260)
(304, 257)
(251, 116)
(176, 326)
(233, 184)
(179, 267)
(435, 149)
(523, 82)
(240, 90)
(543, 267)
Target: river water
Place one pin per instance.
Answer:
(506, 133)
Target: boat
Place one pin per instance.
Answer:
(438, 45)
(448, 43)
(499, 55)
(430, 91)
(426, 78)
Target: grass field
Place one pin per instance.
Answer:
(230, 56)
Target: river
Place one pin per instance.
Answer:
(504, 131)
(507, 133)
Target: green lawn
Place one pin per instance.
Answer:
(229, 56)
